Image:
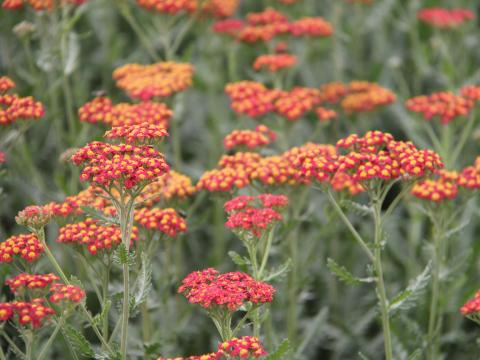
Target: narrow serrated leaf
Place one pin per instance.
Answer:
(238, 259)
(143, 283)
(122, 256)
(278, 354)
(457, 229)
(279, 272)
(78, 341)
(344, 275)
(359, 209)
(99, 318)
(99, 216)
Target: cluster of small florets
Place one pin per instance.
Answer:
(38, 5)
(172, 185)
(244, 347)
(143, 133)
(94, 236)
(254, 215)
(24, 281)
(25, 246)
(217, 8)
(469, 177)
(162, 79)
(62, 293)
(344, 182)
(223, 180)
(312, 162)
(324, 114)
(274, 62)
(295, 103)
(444, 105)
(211, 356)
(472, 306)
(445, 18)
(230, 290)
(91, 196)
(250, 98)
(34, 217)
(249, 139)
(101, 109)
(471, 92)
(15, 108)
(220, 8)
(436, 190)
(167, 221)
(128, 165)
(32, 314)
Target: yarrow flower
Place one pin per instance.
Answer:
(471, 308)
(26, 281)
(250, 98)
(62, 293)
(171, 186)
(34, 217)
(444, 105)
(439, 189)
(33, 314)
(324, 114)
(229, 291)
(128, 165)
(471, 92)
(15, 108)
(167, 221)
(211, 356)
(344, 182)
(250, 139)
(244, 347)
(101, 109)
(94, 236)
(162, 79)
(141, 134)
(274, 62)
(445, 18)
(469, 177)
(38, 5)
(25, 246)
(91, 196)
(217, 8)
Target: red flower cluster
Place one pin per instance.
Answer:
(167, 221)
(72, 204)
(217, 8)
(254, 215)
(66, 293)
(324, 114)
(471, 92)
(343, 181)
(295, 103)
(32, 313)
(34, 216)
(223, 179)
(313, 162)
(274, 62)
(30, 281)
(231, 290)
(167, 187)
(244, 347)
(469, 177)
(444, 105)
(141, 133)
(436, 190)
(15, 108)
(25, 246)
(101, 109)
(38, 5)
(445, 18)
(162, 79)
(250, 98)
(472, 306)
(129, 165)
(211, 356)
(250, 139)
(89, 233)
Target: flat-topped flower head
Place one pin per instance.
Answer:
(295, 103)
(435, 190)
(251, 98)
(230, 27)
(311, 27)
(223, 180)
(216, 8)
(249, 139)
(33, 314)
(471, 92)
(122, 165)
(24, 281)
(167, 221)
(325, 115)
(169, 187)
(312, 162)
(228, 291)
(246, 347)
(15, 108)
(71, 206)
(6, 311)
(443, 105)
(445, 18)
(211, 356)
(64, 294)
(365, 97)
(101, 109)
(344, 182)
(274, 62)
(469, 177)
(266, 17)
(34, 217)
(139, 134)
(39, 5)
(23, 246)
(162, 79)
(94, 236)
(471, 308)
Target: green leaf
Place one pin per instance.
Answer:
(78, 341)
(108, 356)
(143, 283)
(359, 209)
(415, 355)
(72, 53)
(279, 272)
(409, 297)
(457, 229)
(99, 215)
(238, 259)
(99, 318)
(280, 352)
(344, 275)
(122, 256)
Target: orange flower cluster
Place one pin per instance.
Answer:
(344, 182)
(167, 221)
(472, 306)
(471, 92)
(229, 291)
(250, 139)
(26, 246)
(66, 293)
(162, 79)
(312, 162)
(469, 178)
(141, 134)
(217, 8)
(101, 109)
(444, 105)
(244, 347)
(172, 185)
(94, 236)
(15, 108)
(324, 114)
(128, 165)
(221, 8)
(436, 190)
(295, 103)
(223, 180)
(250, 98)
(72, 204)
(33, 314)
(211, 356)
(445, 18)
(38, 5)
(25, 281)
(311, 26)
(274, 62)
(34, 217)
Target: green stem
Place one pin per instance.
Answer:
(28, 345)
(467, 132)
(266, 253)
(52, 337)
(14, 347)
(106, 280)
(381, 292)
(2, 354)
